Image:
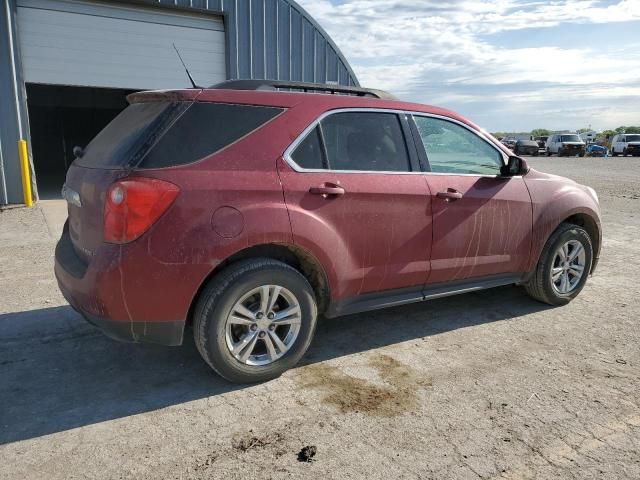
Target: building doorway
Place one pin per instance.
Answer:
(61, 117)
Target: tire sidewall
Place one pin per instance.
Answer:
(220, 356)
(573, 233)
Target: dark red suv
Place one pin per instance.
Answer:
(251, 208)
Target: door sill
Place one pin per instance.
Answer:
(404, 296)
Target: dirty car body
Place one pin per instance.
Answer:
(231, 208)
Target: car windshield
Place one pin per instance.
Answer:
(570, 138)
(633, 138)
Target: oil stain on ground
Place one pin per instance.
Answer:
(397, 394)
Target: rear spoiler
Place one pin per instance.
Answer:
(185, 95)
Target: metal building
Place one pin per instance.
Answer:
(67, 66)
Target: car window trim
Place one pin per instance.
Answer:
(410, 143)
(323, 147)
(422, 151)
(399, 112)
(318, 123)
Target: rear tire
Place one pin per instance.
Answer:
(223, 320)
(613, 152)
(542, 285)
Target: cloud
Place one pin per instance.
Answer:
(442, 53)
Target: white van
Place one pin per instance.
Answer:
(565, 144)
(626, 144)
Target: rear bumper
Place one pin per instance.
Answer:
(97, 292)
(163, 333)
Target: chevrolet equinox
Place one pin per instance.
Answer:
(250, 208)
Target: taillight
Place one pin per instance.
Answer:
(133, 205)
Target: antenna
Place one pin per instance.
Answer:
(193, 83)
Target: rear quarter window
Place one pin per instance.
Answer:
(129, 135)
(204, 129)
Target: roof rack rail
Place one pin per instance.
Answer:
(275, 85)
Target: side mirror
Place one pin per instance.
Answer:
(515, 166)
(78, 152)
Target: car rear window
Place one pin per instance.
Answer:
(164, 134)
(123, 140)
(204, 129)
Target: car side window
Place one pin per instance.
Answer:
(453, 149)
(309, 154)
(355, 141)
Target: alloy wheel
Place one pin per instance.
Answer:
(568, 268)
(263, 325)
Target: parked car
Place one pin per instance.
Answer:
(509, 142)
(526, 147)
(248, 212)
(626, 144)
(565, 144)
(595, 150)
(542, 143)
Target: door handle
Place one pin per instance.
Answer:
(326, 190)
(450, 195)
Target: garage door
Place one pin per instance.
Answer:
(68, 42)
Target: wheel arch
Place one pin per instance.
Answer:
(298, 258)
(592, 227)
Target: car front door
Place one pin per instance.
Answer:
(481, 220)
(359, 203)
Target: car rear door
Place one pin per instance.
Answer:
(481, 220)
(358, 202)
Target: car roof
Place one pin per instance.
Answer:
(316, 102)
(284, 99)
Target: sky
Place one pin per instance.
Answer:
(508, 65)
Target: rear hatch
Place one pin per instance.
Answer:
(112, 154)
(158, 130)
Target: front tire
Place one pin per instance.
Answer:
(255, 320)
(564, 265)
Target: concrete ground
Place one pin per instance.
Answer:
(486, 385)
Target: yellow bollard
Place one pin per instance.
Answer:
(24, 169)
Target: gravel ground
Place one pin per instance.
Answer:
(486, 385)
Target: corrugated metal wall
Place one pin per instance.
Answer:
(275, 39)
(272, 39)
